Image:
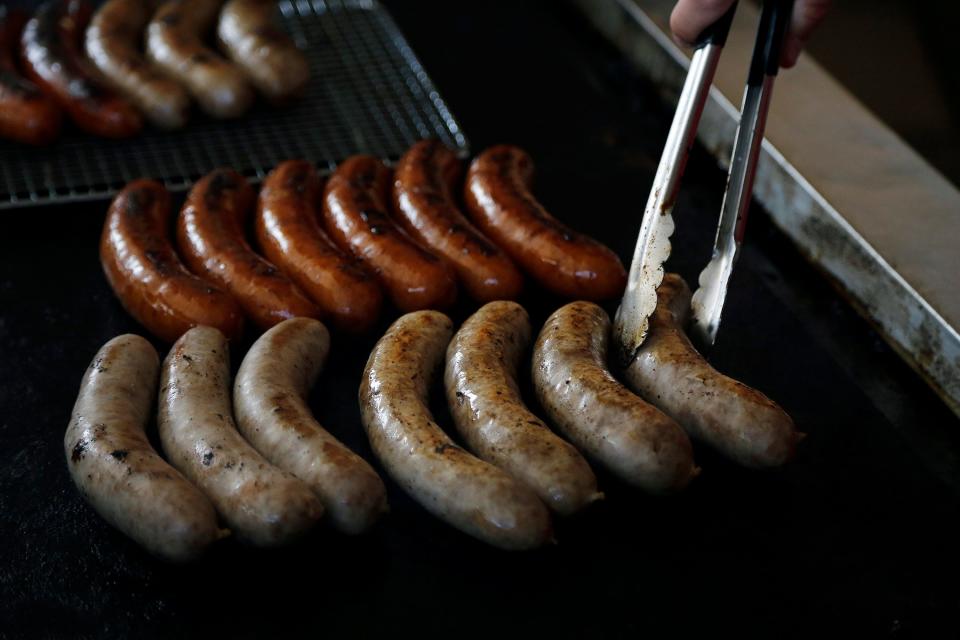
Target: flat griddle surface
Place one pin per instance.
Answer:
(858, 535)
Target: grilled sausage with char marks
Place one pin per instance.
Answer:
(737, 420)
(262, 504)
(148, 277)
(633, 439)
(210, 235)
(486, 406)
(270, 401)
(252, 39)
(472, 495)
(424, 182)
(52, 51)
(175, 43)
(113, 45)
(565, 262)
(289, 233)
(355, 208)
(114, 466)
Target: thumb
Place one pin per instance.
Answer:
(807, 15)
(690, 17)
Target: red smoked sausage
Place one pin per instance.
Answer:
(567, 263)
(355, 205)
(52, 51)
(210, 236)
(424, 183)
(26, 114)
(289, 233)
(148, 277)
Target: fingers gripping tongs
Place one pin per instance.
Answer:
(653, 243)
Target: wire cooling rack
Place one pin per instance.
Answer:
(368, 93)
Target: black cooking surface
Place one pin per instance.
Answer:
(858, 535)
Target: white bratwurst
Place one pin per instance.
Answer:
(262, 504)
(116, 469)
(472, 495)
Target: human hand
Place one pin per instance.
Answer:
(691, 17)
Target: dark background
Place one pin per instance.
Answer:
(857, 536)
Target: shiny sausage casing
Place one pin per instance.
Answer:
(289, 233)
(633, 439)
(355, 208)
(113, 43)
(485, 402)
(472, 495)
(210, 236)
(270, 402)
(175, 43)
(149, 279)
(568, 263)
(425, 180)
(254, 42)
(739, 421)
(52, 51)
(262, 504)
(117, 470)
(26, 114)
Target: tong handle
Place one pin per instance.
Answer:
(774, 20)
(717, 32)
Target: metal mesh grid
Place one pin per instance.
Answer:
(368, 93)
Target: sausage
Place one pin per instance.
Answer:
(148, 277)
(210, 236)
(113, 45)
(468, 493)
(52, 51)
(262, 504)
(735, 419)
(633, 439)
(485, 402)
(355, 208)
(289, 233)
(175, 44)
(114, 466)
(423, 187)
(261, 49)
(27, 115)
(270, 401)
(563, 261)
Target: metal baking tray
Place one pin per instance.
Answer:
(368, 93)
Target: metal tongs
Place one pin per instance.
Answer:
(653, 244)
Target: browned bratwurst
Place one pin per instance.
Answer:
(210, 235)
(114, 466)
(175, 43)
(262, 504)
(26, 114)
(485, 402)
(289, 233)
(739, 421)
(148, 277)
(472, 495)
(583, 400)
(270, 402)
(355, 205)
(113, 44)
(261, 49)
(565, 262)
(424, 182)
(52, 50)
